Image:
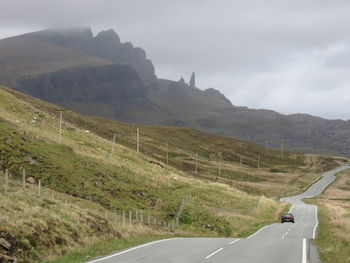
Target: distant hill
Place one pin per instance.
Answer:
(101, 76)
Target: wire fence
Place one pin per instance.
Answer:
(121, 218)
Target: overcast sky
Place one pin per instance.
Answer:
(290, 56)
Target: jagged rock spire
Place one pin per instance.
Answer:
(193, 80)
(182, 81)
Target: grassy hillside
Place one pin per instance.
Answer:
(333, 238)
(231, 204)
(276, 176)
(39, 57)
(55, 224)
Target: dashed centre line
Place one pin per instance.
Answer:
(212, 254)
(289, 229)
(217, 251)
(234, 241)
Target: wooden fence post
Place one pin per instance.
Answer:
(24, 179)
(39, 188)
(6, 180)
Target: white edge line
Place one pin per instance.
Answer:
(304, 256)
(261, 229)
(212, 254)
(316, 225)
(131, 249)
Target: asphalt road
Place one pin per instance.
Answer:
(274, 243)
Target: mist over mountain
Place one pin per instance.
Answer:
(102, 76)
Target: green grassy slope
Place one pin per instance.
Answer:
(276, 175)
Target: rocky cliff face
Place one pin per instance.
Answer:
(105, 45)
(109, 47)
(108, 91)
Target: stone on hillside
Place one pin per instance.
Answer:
(32, 161)
(5, 244)
(30, 180)
(7, 259)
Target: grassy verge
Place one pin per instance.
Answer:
(333, 239)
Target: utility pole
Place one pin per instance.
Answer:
(60, 127)
(219, 169)
(196, 171)
(281, 148)
(138, 139)
(112, 149)
(167, 153)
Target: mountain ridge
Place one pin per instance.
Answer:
(145, 99)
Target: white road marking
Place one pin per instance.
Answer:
(131, 249)
(212, 254)
(316, 225)
(304, 257)
(234, 241)
(261, 229)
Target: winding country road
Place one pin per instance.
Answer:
(274, 243)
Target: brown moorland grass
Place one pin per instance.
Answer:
(333, 237)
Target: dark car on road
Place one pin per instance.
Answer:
(288, 217)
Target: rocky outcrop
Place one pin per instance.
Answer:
(214, 93)
(107, 91)
(109, 47)
(105, 45)
(193, 80)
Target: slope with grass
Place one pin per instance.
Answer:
(55, 224)
(237, 159)
(83, 168)
(333, 239)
